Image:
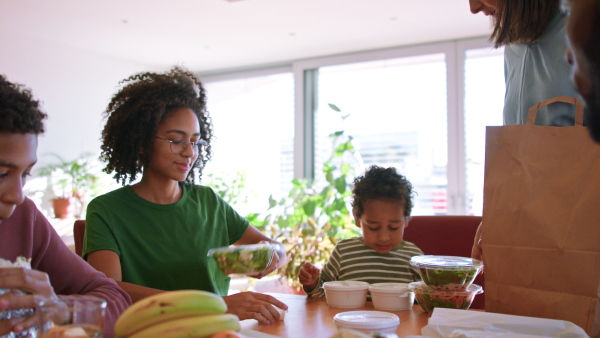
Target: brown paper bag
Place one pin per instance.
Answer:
(541, 220)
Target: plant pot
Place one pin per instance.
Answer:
(62, 207)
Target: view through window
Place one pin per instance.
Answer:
(253, 120)
(397, 116)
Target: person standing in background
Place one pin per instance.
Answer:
(535, 67)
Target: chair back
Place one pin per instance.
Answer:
(78, 234)
(448, 236)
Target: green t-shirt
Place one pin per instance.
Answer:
(165, 246)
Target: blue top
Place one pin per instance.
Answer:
(537, 72)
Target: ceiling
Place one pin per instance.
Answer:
(218, 35)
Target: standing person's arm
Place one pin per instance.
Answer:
(476, 252)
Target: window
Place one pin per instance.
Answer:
(397, 116)
(253, 121)
(422, 109)
(483, 104)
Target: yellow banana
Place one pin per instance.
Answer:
(199, 327)
(167, 306)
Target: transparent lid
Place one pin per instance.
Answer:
(445, 262)
(243, 259)
(366, 319)
(423, 288)
(346, 285)
(389, 287)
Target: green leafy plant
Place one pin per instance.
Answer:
(78, 178)
(232, 188)
(316, 214)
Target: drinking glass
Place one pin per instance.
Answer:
(73, 317)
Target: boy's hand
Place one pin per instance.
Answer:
(308, 276)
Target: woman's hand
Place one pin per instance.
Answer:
(252, 305)
(35, 288)
(477, 251)
(278, 260)
(308, 276)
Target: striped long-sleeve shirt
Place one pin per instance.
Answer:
(352, 259)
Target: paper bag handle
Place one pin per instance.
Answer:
(566, 99)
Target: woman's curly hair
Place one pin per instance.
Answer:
(379, 183)
(135, 112)
(19, 112)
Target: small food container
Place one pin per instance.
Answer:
(346, 294)
(243, 259)
(430, 298)
(447, 272)
(367, 321)
(392, 296)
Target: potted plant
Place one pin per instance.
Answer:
(71, 182)
(315, 215)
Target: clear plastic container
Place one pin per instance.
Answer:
(391, 296)
(367, 321)
(430, 298)
(447, 272)
(243, 259)
(346, 294)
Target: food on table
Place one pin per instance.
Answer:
(227, 334)
(367, 321)
(243, 259)
(73, 331)
(185, 313)
(430, 298)
(346, 294)
(391, 296)
(349, 333)
(19, 262)
(8, 314)
(447, 272)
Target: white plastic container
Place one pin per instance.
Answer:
(392, 296)
(367, 321)
(346, 294)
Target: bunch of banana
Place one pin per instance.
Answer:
(182, 313)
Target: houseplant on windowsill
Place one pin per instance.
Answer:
(72, 182)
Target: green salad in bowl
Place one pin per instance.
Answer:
(243, 259)
(430, 298)
(447, 272)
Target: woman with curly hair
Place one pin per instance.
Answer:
(153, 235)
(26, 233)
(381, 206)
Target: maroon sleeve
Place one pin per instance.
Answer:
(69, 274)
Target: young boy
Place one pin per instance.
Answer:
(382, 202)
(25, 232)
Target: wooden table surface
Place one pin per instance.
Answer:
(313, 318)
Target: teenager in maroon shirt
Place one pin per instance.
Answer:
(24, 231)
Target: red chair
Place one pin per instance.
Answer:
(448, 236)
(78, 233)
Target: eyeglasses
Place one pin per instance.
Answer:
(179, 145)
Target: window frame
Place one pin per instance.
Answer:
(305, 78)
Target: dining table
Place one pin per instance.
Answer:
(311, 317)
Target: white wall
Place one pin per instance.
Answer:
(74, 87)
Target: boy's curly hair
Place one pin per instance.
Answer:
(19, 112)
(135, 112)
(379, 183)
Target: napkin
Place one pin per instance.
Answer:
(453, 323)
